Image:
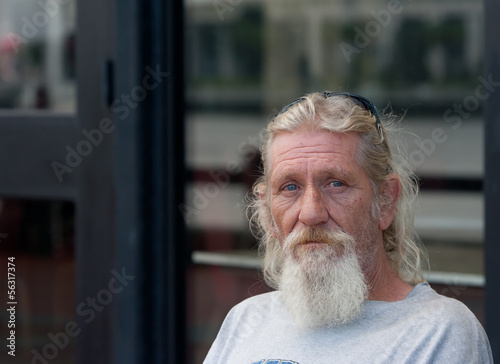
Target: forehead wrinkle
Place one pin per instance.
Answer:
(281, 151)
(298, 148)
(303, 154)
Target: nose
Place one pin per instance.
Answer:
(313, 209)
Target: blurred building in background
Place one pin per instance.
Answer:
(37, 55)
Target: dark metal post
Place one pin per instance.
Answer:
(130, 340)
(95, 183)
(492, 176)
(150, 181)
(173, 349)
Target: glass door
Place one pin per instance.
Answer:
(37, 205)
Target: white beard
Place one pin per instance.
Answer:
(322, 285)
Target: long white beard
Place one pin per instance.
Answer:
(322, 285)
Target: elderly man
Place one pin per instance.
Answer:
(333, 211)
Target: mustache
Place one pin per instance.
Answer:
(320, 235)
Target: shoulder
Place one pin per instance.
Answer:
(448, 324)
(439, 306)
(433, 308)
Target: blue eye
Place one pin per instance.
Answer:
(290, 187)
(337, 184)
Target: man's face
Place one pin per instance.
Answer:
(321, 203)
(316, 182)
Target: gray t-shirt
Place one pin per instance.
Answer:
(425, 327)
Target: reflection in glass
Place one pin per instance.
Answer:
(38, 238)
(37, 55)
(246, 60)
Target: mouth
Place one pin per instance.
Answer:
(312, 244)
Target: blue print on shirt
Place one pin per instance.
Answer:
(275, 361)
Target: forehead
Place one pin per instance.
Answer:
(322, 146)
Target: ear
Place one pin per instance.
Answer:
(389, 193)
(262, 197)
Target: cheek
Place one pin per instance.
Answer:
(357, 213)
(284, 216)
(363, 205)
(366, 227)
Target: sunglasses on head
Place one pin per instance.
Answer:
(358, 100)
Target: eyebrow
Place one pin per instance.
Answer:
(339, 171)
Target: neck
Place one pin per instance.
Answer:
(384, 283)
